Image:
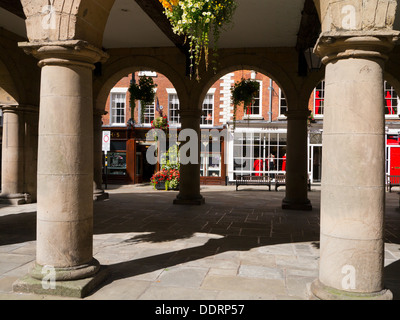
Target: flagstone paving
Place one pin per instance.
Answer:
(239, 245)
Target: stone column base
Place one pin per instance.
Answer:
(323, 292)
(292, 205)
(67, 282)
(100, 195)
(15, 199)
(192, 201)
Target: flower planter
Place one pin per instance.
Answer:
(161, 186)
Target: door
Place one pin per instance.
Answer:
(394, 161)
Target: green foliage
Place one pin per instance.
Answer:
(143, 91)
(196, 20)
(170, 159)
(244, 92)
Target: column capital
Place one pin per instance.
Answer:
(71, 52)
(19, 108)
(355, 44)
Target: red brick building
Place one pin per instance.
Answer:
(262, 131)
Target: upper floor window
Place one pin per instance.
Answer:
(148, 114)
(319, 97)
(391, 100)
(283, 108)
(255, 108)
(207, 113)
(173, 109)
(117, 108)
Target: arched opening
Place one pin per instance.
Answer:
(129, 121)
(254, 143)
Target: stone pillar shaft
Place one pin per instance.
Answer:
(18, 148)
(296, 165)
(353, 185)
(189, 187)
(65, 173)
(98, 192)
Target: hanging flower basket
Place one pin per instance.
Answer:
(197, 20)
(143, 91)
(244, 92)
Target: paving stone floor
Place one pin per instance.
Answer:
(239, 245)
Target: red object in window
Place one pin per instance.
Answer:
(284, 163)
(248, 111)
(317, 102)
(258, 166)
(389, 102)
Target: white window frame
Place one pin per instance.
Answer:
(259, 115)
(282, 96)
(392, 90)
(118, 91)
(319, 116)
(153, 114)
(211, 93)
(147, 73)
(172, 91)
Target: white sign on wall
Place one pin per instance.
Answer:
(106, 141)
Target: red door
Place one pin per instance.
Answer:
(394, 162)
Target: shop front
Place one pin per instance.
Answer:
(127, 162)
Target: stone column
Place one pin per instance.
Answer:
(189, 187)
(296, 163)
(98, 192)
(31, 121)
(12, 172)
(65, 171)
(353, 185)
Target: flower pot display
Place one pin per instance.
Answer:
(244, 92)
(197, 21)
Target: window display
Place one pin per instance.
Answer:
(259, 153)
(116, 163)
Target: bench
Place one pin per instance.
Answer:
(280, 180)
(392, 181)
(248, 180)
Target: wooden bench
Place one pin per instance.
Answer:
(392, 181)
(248, 180)
(280, 180)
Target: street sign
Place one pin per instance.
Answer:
(106, 141)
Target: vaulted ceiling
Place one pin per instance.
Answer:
(140, 23)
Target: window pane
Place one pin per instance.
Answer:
(118, 108)
(319, 96)
(391, 99)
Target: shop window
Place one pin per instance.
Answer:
(207, 110)
(210, 159)
(173, 109)
(116, 163)
(118, 101)
(391, 100)
(259, 153)
(319, 97)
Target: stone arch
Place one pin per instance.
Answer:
(114, 71)
(67, 20)
(262, 63)
(8, 91)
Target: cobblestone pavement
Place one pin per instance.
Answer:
(239, 245)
